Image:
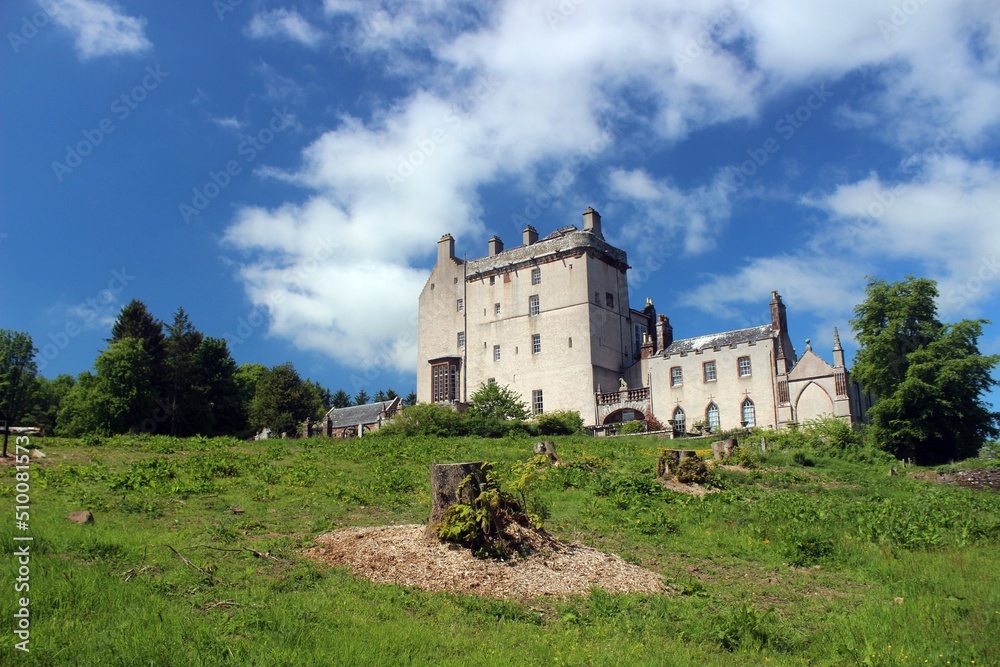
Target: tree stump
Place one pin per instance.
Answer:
(447, 488)
(548, 449)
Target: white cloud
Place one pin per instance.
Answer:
(284, 24)
(101, 28)
(514, 91)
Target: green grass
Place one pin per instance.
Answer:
(786, 565)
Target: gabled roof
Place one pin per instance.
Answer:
(724, 339)
(810, 365)
(361, 414)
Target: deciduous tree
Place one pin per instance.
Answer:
(928, 377)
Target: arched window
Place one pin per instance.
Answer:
(748, 414)
(712, 416)
(679, 420)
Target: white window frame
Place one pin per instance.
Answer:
(496, 353)
(534, 307)
(461, 339)
(460, 305)
(536, 276)
(748, 413)
(710, 366)
(676, 379)
(536, 343)
(749, 367)
(537, 402)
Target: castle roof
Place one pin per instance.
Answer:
(719, 340)
(562, 241)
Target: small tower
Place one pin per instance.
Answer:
(838, 351)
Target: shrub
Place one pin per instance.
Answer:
(560, 422)
(427, 419)
(692, 470)
(747, 629)
(632, 427)
(801, 458)
(747, 456)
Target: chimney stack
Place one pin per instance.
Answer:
(592, 222)
(446, 249)
(530, 235)
(496, 246)
(664, 332)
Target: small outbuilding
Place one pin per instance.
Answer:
(353, 421)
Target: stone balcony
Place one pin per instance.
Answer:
(627, 399)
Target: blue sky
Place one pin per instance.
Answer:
(282, 170)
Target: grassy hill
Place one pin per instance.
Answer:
(806, 560)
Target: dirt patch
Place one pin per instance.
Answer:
(405, 555)
(693, 489)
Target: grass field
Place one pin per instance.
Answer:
(832, 563)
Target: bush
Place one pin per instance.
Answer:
(560, 422)
(801, 458)
(427, 419)
(692, 470)
(632, 427)
(747, 456)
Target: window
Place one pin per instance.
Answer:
(571, 341)
(638, 332)
(609, 299)
(744, 364)
(712, 416)
(461, 339)
(748, 414)
(676, 378)
(709, 367)
(533, 305)
(461, 305)
(491, 381)
(493, 280)
(444, 381)
(496, 308)
(597, 296)
(536, 401)
(679, 426)
(536, 343)
(496, 353)
(536, 276)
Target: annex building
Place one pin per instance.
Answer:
(551, 319)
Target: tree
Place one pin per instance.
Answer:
(282, 400)
(78, 410)
(340, 399)
(124, 388)
(44, 399)
(928, 377)
(362, 397)
(411, 399)
(183, 390)
(135, 321)
(218, 389)
(17, 373)
(495, 401)
(380, 396)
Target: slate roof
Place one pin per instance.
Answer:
(361, 414)
(724, 339)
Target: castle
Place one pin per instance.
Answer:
(551, 319)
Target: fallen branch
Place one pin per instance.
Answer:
(266, 555)
(187, 562)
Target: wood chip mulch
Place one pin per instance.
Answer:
(405, 555)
